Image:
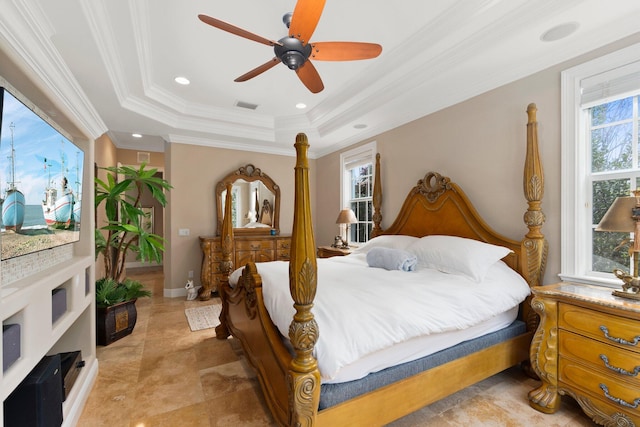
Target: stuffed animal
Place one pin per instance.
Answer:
(192, 292)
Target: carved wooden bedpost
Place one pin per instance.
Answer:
(535, 245)
(303, 377)
(226, 244)
(377, 200)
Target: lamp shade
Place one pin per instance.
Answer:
(346, 216)
(620, 216)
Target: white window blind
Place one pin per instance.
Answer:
(609, 85)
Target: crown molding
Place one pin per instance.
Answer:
(26, 36)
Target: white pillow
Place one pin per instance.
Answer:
(392, 241)
(457, 255)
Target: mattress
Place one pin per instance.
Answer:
(393, 317)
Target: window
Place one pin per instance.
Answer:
(357, 188)
(600, 161)
(611, 129)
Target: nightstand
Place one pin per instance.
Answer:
(587, 346)
(329, 251)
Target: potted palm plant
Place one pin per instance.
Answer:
(124, 232)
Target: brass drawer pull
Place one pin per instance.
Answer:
(619, 401)
(622, 371)
(619, 340)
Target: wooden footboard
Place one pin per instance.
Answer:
(247, 320)
(291, 382)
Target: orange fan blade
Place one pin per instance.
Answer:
(344, 51)
(258, 70)
(305, 19)
(235, 30)
(309, 77)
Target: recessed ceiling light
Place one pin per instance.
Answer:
(360, 126)
(136, 135)
(559, 32)
(182, 80)
(301, 105)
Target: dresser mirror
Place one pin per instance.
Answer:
(256, 202)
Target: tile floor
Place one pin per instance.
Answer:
(165, 375)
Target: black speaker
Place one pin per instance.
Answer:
(37, 401)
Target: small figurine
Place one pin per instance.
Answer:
(192, 292)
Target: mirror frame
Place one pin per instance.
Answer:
(249, 173)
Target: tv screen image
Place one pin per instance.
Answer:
(40, 182)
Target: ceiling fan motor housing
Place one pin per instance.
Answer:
(292, 53)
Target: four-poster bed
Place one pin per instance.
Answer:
(287, 368)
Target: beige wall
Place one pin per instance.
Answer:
(479, 144)
(105, 156)
(130, 158)
(194, 171)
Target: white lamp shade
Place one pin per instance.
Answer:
(346, 216)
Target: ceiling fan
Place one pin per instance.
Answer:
(296, 50)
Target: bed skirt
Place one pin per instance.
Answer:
(333, 394)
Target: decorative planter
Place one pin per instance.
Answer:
(115, 322)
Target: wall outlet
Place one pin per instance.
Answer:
(183, 232)
(190, 274)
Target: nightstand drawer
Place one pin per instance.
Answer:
(616, 362)
(607, 328)
(619, 394)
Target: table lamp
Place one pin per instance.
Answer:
(346, 217)
(624, 216)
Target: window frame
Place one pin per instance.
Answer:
(363, 154)
(575, 208)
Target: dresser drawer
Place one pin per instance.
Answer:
(284, 245)
(618, 363)
(254, 245)
(618, 394)
(212, 245)
(215, 256)
(243, 257)
(607, 328)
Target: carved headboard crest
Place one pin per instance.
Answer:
(433, 185)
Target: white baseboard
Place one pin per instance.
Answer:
(176, 292)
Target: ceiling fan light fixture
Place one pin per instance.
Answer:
(292, 52)
(293, 59)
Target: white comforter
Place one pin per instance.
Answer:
(361, 310)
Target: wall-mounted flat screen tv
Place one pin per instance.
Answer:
(40, 182)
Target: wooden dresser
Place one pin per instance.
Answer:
(587, 346)
(246, 248)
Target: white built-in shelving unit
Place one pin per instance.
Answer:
(26, 299)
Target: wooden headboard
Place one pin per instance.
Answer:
(437, 206)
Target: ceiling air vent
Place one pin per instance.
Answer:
(246, 105)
